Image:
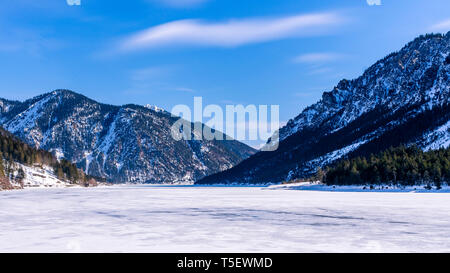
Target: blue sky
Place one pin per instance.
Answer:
(165, 52)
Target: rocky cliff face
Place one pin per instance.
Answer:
(402, 99)
(127, 143)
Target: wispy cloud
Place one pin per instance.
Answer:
(180, 3)
(320, 70)
(442, 26)
(230, 33)
(313, 58)
(154, 79)
(149, 73)
(184, 89)
(148, 79)
(318, 63)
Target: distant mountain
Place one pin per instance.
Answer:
(129, 143)
(402, 99)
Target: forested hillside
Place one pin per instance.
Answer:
(403, 99)
(128, 143)
(405, 166)
(14, 152)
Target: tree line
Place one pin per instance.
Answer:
(13, 150)
(405, 166)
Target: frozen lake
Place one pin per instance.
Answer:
(214, 219)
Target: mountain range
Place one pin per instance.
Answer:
(402, 99)
(129, 143)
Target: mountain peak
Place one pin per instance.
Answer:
(64, 92)
(129, 143)
(403, 98)
(414, 69)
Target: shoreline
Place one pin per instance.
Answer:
(314, 186)
(301, 186)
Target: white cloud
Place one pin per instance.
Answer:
(318, 63)
(154, 79)
(231, 33)
(312, 58)
(442, 26)
(320, 70)
(374, 2)
(149, 73)
(184, 89)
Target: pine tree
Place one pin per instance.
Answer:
(13, 150)
(320, 175)
(2, 169)
(20, 175)
(60, 173)
(402, 165)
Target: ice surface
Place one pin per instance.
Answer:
(316, 186)
(221, 219)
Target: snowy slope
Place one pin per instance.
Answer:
(240, 219)
(41, 177)
(419, 73)
(37, 176)
(127, 143)
(437, 138)
(402, 99)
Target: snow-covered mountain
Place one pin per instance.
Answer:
(127, 143)
(402, 99)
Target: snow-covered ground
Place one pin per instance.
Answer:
(221, 219)
(316, 186)
(40, 177)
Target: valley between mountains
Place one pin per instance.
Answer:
(403, 99)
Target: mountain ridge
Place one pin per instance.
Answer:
(128, 143)
(406, 91)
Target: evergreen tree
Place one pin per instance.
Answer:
(60, 173)
(20, 175)
(13, 150)
(320, 175)
(2, 169)
(401, 166)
